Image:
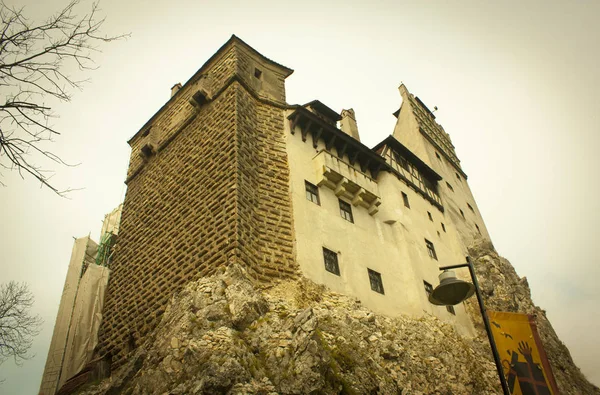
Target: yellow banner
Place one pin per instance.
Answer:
(524, 361)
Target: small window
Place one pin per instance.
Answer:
(405, 198)
(470, 208)
(443, 227)
(331, 261)
(478, 230)
(438, 156)
(451, 310)
(428, 288)
(430, 217)
(312, 193)
(449, 186)
(404, 164)
(376, 283)
(461, 213)
(257, 73)
(346, 211)
(438, 233)
(431, 249)
(457, 176)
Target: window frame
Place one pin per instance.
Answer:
(376, 276)
(428, 288)
(346, 213)
(336, 268)
(313, 193)
(431, 249)
(405, 199)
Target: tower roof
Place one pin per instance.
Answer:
(392, 142)
(428, 126)
(233, 41)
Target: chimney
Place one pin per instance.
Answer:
(175, 88)
(348, 124)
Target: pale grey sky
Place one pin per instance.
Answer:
(515, 83)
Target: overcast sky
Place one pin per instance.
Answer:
(516, 86)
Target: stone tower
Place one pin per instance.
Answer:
(207, 186)
(418, 130)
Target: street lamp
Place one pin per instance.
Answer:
(452, 291)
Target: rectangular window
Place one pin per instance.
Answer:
(331, 261)
(312, 193)
(375, 280)
(451, 310)
(404, 164)
(430, 217)
(405, 198)
(457, 176)
(443, 227)
(449, 186)
(478, 230)
(428, 288)
(346, 211)
(470, 208)
(461, 213)
(431, 249)
(438, 156)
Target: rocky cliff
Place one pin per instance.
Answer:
(504, 290)
(222, 335)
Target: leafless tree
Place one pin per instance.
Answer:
(34, 63)
(17, 325)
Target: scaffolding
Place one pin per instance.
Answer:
(80, 311)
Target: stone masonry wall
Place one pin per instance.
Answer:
(215, 193)
(179, 110)
(264, 211)
(178, 224)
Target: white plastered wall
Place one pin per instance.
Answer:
(407, 132)
(396, 249)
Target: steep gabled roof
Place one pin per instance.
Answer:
(397, 146)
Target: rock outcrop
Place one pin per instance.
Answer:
(222, 335)
(504, 290)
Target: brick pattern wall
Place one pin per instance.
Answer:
(271, 85)
(264, 211)
(171, 119)
(217, 193)
(178, 223)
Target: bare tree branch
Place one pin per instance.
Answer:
(17, 325)
(33, 61)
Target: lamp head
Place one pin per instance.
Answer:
(451, 290)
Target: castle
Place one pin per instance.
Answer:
(228, 172)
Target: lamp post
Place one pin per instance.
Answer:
(452, 291)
